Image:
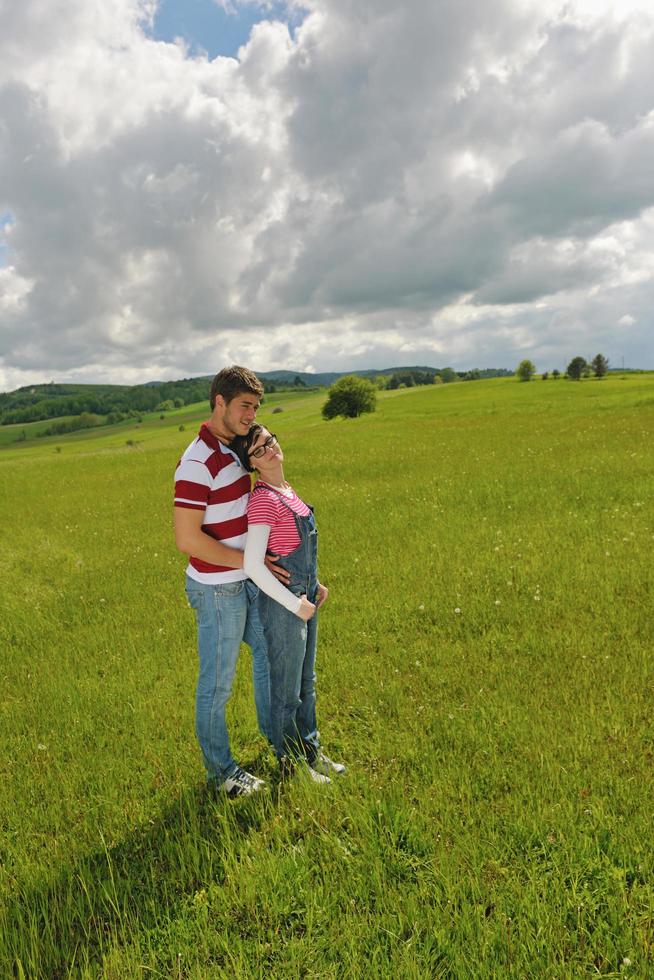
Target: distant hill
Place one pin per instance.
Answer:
(112, 403)
(329, 377)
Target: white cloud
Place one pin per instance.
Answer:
(462, 183)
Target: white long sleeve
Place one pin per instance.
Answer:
(255, 568)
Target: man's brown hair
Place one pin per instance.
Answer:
(233, 381)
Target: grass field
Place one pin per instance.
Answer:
(485, 669)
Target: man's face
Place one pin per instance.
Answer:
(238, 414)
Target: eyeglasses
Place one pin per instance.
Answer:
(268, 444)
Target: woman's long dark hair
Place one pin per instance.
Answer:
(241, 445)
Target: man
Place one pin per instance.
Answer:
(211, 495)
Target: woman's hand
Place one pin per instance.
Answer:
(306, 610)
(322, 595)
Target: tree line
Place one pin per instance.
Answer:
(577, 369)
(411, 378)
(113, 402)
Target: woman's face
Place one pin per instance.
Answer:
(272, 454)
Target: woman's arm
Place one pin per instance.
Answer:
(254, 568)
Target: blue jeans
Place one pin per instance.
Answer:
(292, 657)
(222, 617)
(256, 640)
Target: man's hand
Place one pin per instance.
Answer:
(280, 573)
(306, 610)
(322, 595)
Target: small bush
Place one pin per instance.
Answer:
(350, 396)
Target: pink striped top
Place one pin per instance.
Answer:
(210, 478)
(265, 507)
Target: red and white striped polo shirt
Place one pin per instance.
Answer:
(210, 478)
(265, 507)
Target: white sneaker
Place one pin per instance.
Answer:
(299, 769)
(242, 783)
(318, 777)
(322, 763)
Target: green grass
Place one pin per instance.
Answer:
(485, 668)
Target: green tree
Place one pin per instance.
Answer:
(401, 379)
(576, 368)
(600, 365)
(350, 396)
(556, 373)
(525, 370)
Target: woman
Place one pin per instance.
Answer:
(279, 522)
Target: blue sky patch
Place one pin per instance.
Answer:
(6, 218)
(205, 26)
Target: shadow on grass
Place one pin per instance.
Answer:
(124, 889)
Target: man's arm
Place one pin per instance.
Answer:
(191, 539)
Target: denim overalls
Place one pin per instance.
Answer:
(292, 649)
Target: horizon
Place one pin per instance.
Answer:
(273, 371)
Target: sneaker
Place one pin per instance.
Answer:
(318, 777)
(323, 764)
(292, 768)
(242, 783)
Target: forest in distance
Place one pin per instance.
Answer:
(113, 403)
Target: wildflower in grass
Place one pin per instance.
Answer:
(421, 606)
(498, 602)
(41, 747)
(626, 961)
(536, 598)
(457, 610)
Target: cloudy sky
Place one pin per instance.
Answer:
(324, 184)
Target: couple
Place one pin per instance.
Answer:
(239, 592)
